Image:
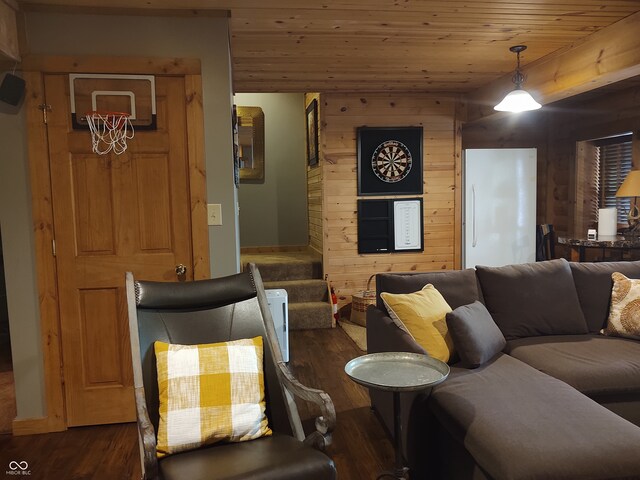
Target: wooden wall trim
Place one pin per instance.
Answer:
(197, 177)
(103, 64)
(38, 155)
(315, 200)
(460, 115)
(32, 426)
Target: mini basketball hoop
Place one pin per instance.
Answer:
(109, 131)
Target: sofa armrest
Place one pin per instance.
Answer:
(385, 336)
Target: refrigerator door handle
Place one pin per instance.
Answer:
(473, 215)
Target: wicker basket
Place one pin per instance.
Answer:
(359, 303)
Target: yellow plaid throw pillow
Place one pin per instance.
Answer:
(210, 393)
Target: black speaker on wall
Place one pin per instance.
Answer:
(12, 89)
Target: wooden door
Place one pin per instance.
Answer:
(112, 214)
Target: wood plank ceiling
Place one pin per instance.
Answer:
(388, 45)
(410, 45)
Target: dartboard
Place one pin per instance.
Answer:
(391, 161)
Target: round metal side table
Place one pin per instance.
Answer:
(397, 372)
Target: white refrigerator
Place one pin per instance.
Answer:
(499, 218)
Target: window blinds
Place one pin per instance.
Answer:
(615, 164)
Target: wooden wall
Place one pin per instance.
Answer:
(341, 114)
(314, 183)
(609, 114)
(556, 131)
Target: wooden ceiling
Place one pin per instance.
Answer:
(404, 45)
(387, 45)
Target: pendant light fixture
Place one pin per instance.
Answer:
(518, 100)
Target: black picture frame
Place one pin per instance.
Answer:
(378, 225)
(236, 147)
(371, 141)
(312, 133)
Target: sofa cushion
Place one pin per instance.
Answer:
(519, 423)
(624, 314)
(593, 364)
(422, 314)
(476, 337)
(458, 287)
(593, 284)
(532, 299)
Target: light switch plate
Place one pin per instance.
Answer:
(214, 214)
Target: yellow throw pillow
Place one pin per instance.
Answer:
(423, 315)
(210, 393)
(624, 313)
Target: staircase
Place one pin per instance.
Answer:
(300, 274)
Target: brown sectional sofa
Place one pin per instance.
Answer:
(560, 401)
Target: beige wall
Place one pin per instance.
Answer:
(59, 34)
(19, 265)
(274, 212)
(341, 114)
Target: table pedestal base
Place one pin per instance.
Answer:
(397, 372)
(397, 474)
(400, 471)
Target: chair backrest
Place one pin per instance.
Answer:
(203, 311)
(545, 242)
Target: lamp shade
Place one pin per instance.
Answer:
(631, 185)
(517, 101)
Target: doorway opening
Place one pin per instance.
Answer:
(275, 217)
(273, 201)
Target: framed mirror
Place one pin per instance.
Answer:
(251, 143)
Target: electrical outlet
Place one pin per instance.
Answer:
(214, 214)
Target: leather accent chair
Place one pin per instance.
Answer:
(218, 310)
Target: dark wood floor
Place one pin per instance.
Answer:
(360, 446)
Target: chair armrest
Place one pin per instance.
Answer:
(147, 437)
(326, 422)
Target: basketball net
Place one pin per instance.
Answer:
(109, 131)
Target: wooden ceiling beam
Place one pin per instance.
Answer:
(607, 56)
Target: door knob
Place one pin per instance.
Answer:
(181, 270)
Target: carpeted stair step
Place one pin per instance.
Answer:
(302, 290)
(285, 271)
(283, 266)
(308, 315)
